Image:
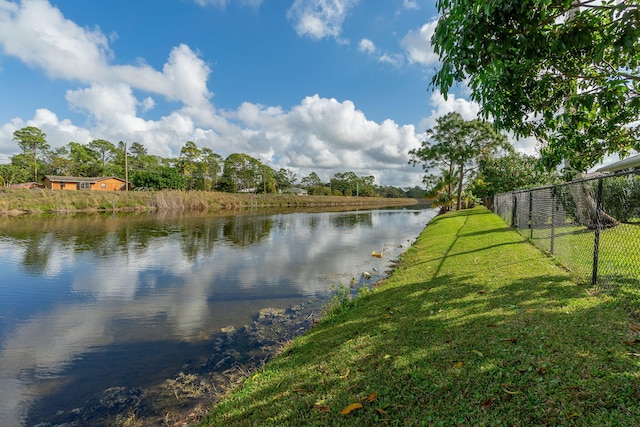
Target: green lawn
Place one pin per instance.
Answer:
(618, 259)
(475, 327)
(573, 246)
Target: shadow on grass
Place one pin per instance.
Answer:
(443, 351)
(461, 346)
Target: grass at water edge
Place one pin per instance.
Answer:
(475, 326)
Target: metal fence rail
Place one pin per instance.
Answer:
(591, 226)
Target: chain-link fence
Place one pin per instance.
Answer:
(591, 226)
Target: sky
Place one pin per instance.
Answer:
(321, 86)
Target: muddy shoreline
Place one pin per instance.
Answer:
(186, 398)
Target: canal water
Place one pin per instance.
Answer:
(97, 310)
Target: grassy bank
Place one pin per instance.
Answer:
(17, 201)
(475, 327)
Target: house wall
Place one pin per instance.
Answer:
(110, 184)
(107, 185)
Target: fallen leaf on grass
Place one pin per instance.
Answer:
(631, 342)
(381, 411)
(351, 408)
(634, 327)
(301, 390)
(372, 397)
(458, 365)
(487, 403)
(478, 353)
(507, 388)
(322, 408)
(511, 340)
(346, 374)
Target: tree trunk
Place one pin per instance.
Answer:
(587, 208)
(459, 201)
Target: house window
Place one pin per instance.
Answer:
(84, 186)
(103, 185)
(62, 185)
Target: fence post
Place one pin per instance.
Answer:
(553, 219)
(531, 214)
(596, 241)
(514, 210)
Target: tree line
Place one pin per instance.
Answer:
(196, 168)
(467, 161)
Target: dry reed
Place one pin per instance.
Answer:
(39, 200)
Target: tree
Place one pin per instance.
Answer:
(211, 168)
(346, 183)
(160, 178)
(241, 173)
(311, 180)
(564, 71)
(32, 141)
(106, 153)
(266, 179)
(415, 192)
(512, 171)
(391, 192)
(285, 178)
(188, 163)
(11, 174)
(84, 161)
(440, 188)
(138, 157)
(58, 161)
(456, 148)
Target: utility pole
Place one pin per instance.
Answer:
(126, 168)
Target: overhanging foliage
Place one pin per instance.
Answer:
(566, 72)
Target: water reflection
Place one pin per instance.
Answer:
(76, 288)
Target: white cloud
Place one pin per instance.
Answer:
(319, 134)
(392, 59)
(366, 46)
(469, 110)
(223, 3)
(147, 104)
(50, 124)
(411, 5)
(417, 45)
(39, 35)
(217, 3)
(320, 18)
(325, 134)
(113, 106)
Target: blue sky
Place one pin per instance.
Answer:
(310, 85)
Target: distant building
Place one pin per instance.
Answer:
(628, 163)
(297, 191)
(109, 183)
(27, 185)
